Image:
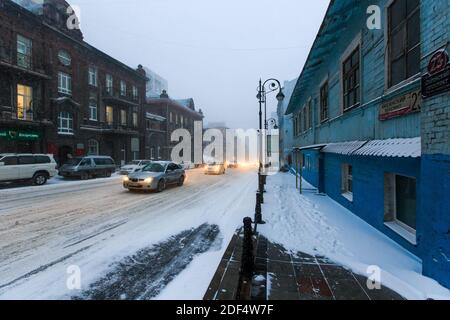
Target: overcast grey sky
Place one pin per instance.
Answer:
(212, 50)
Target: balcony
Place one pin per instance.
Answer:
(117, 128)
(32, 65)
(33, 117)
(114, 95)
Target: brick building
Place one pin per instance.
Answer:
(371, 121)
(163, 116)
(60, 95)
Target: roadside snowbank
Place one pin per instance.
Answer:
(317, 225)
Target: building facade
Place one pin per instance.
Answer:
(285, 125)
(171, 115)
(371, 121)
(60, 95)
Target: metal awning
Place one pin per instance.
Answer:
(315, 146)
(344, 148)
(401, 148)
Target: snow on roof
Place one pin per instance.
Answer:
(345, 148)
(402, 148)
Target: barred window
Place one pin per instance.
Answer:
(351, 80)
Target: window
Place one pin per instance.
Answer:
(64, 83)
(400, 204)
(135, 119)
(152, 153)
(123, 117)
(309, 112)
(64, 58)
(42, 159)
(324, 102)
(24, 102)
(109, 83)
(65, 123)
(9, 161)
(93, 115)
(181, 120)
(93, 76)
(24, 52)
(25, 160)
(123, 88)
(109, 115)
(404, 40)
(135, 93)
(347, 181)
(93, 148)
(171, 117)
(351, 78)
(159, 152)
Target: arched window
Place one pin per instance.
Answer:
(64, 58)
(65, 123)
(93, 147)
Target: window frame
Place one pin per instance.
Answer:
(93, 143)
(109, 115)
(64, 57)
(347, 188)
(93, 76)
(109, 82)
(406, 50)
(28, 101)
(123, 117)
(27, 55)
(123, 88)
(324, 102)
(355, 70)
(390, 207)
(64, 78)
(93, 106)
(68, 117)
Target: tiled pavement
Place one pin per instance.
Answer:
(283, 276)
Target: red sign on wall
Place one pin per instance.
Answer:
(438, 62)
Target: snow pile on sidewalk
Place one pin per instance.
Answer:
(317, 225)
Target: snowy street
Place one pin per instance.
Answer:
(95, 224)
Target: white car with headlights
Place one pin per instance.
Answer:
(133, 166)
(215, 169)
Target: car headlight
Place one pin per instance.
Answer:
(126, 179)
(148, 180)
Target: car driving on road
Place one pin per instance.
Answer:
(155, 177)
(133, 166)
(215, 169)
(37, 168)
(88, 167)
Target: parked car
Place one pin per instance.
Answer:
(37, 168)
(133, 166)
(88, 167)
(233, 165)
(155, 176)
(215, 168)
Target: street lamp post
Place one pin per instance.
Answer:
(273, 85)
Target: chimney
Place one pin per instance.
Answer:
(164, 95)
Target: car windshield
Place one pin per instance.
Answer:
(154, 167)
(74, 161)
(134, 163)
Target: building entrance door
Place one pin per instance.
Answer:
(64, 154)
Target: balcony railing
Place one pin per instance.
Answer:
(112, 93)
(35, 62)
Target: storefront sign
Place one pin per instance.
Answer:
(437, 80)
(400, 106)
(16, 135)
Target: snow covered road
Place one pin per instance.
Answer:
(93, 224)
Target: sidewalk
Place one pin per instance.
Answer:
(283, 276)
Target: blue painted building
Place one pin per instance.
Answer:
(285, 124)
(370, 114)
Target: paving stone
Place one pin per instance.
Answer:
(278, 267)
(229, 284)
(346, 289)
(301, 257)
(283, 295)
(383, 294)
(311, 283)
(276, 252)
(336, 272)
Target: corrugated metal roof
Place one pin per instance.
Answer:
(401, 148)
(345, 148)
